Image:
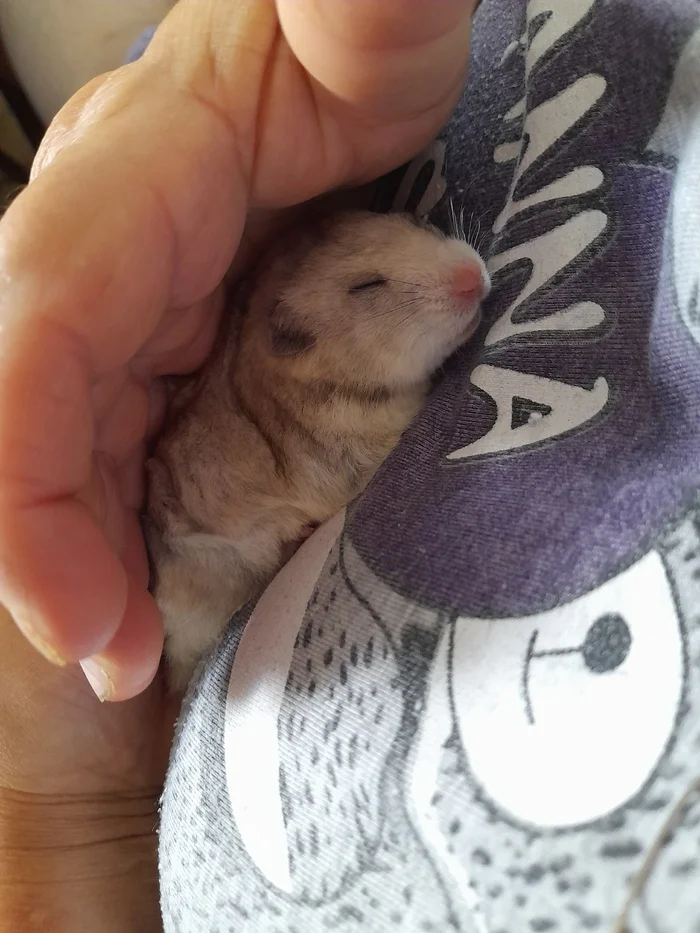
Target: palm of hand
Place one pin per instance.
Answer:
(57, 742)
(131, 289)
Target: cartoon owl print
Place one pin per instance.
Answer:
(358, 759)
(402, 770)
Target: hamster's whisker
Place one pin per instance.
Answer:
(387, 312)
(404, 282)
(405, 319)
(452, 217)
(411, 301)
(481, 235)
(483, 241)
(405, 304)
(473, 230)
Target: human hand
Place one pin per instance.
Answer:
(111, 263)
(79, 789)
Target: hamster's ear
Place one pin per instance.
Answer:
(287, 336)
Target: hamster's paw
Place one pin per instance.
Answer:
(179, 672)
(185, 646)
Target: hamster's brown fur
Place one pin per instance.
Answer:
(324, 360)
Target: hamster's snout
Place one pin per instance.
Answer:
(470, 282)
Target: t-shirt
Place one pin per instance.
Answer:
(471, 702)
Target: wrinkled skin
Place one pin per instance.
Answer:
(111, 265)
(112, 259)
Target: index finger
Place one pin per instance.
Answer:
(129, 218)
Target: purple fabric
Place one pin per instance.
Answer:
(491, 702)
(503, 534)
(140, 45)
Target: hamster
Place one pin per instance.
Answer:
(324, 358)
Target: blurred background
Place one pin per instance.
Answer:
(49, 49)
(56, 46)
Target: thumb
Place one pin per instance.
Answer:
(394, 60)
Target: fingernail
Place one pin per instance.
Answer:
(41, 645)
(98, 678)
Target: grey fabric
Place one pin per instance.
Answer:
(472, 703)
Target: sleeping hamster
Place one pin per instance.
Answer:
(322, 362)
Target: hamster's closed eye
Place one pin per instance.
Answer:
(375, 282)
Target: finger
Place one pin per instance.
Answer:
(131, 216)
(152, 223)
(372, 92)
(123, 426)
(65, 125)
(138, 204)
(392, 61)
(55, 559)
(182, 341)
(131, 479)
(128, 664)
(62, 582)
(134, 555)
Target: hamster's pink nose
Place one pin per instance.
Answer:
(469, 282)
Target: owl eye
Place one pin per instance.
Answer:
(370, 283)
